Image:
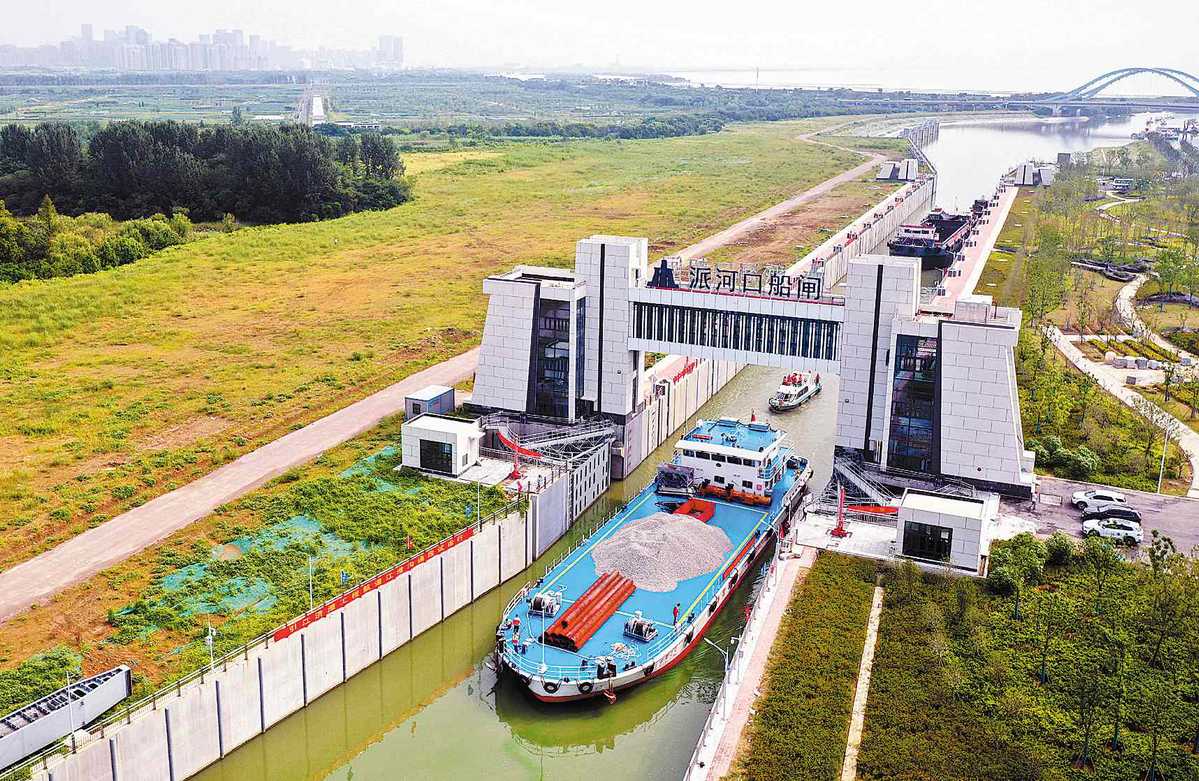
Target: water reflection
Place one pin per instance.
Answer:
(971, 155)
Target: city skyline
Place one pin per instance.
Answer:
(1021, 45)
(134, 48)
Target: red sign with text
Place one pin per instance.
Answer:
(387, 576)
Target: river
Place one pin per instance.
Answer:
(433, 709)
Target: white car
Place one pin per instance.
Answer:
(1128, 532)
(1086, 499)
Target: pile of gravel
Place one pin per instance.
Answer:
(658, 551)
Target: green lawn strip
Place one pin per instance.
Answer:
(955, 690)
(800, 724)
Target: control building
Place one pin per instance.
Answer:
(922, 394)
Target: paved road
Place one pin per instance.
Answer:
(114, 541)
(734, 232)
(1175, 516)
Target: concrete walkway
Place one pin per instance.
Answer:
(110, 543)
(1127, 310)
(1185, 436)
(729, 725)
(734, 232)
(77, 559)
(857, 717)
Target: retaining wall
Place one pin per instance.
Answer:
(183, 731)
(869, 232)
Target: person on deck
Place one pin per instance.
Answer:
(676, 614)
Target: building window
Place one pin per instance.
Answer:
(925, 541)
(415, 408)
(436, 456)
(911, 444)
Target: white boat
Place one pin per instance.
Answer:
(797, 389)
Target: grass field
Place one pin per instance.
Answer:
(799, 725)
(121, 385)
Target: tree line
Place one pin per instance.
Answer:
(261, 173)
(52, 245)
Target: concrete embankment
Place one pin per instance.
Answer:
(182, 730)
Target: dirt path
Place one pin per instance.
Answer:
(79, 558)
(763, 218)
(849, 765)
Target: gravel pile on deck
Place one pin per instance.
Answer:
(658, 551)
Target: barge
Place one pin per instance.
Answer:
(938, 237)
(634, 598)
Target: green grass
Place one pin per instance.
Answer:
(955, 695)
(799, 727)
(120, 385)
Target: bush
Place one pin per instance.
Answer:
(1000, 580)
(1060, 549)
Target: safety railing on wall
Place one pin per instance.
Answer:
(123, 714)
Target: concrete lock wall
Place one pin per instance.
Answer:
(240, 703)
(141, 748)
(92, 763)
(194, 738)
(183, 731)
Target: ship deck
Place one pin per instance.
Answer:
(577, 572)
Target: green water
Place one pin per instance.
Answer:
(433, 709)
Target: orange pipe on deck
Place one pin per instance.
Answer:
(584, 618)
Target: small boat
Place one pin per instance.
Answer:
(797, 389)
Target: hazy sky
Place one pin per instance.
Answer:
(1004, 44)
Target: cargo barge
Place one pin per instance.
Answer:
(642, 590)
(938, 237)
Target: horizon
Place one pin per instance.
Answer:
(1020, 46)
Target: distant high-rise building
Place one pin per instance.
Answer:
(391, 50)
(133, 48)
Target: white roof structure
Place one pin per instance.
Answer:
(429, 393)
(945, 505)
(430, 422)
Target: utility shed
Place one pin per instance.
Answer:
(942, 527)
(437, 399)
(441, 444)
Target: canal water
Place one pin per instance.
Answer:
(971, 154)
(434, 709)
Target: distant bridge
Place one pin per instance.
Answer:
(1085, 96)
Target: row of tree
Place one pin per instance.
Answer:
(52, 245)
(262, 173)
(1127, 640)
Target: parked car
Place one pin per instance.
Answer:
(1081, 499)
(1111, 510)
(1118, 529)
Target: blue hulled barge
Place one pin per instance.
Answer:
(640, 592)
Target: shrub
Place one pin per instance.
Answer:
(1060, 549)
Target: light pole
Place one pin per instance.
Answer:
(70, 712)
(310, 583)
(209, 640)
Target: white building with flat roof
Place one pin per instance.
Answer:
(947, 529)
(436, 443)
(921, 393)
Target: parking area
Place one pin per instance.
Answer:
(1176, 517)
